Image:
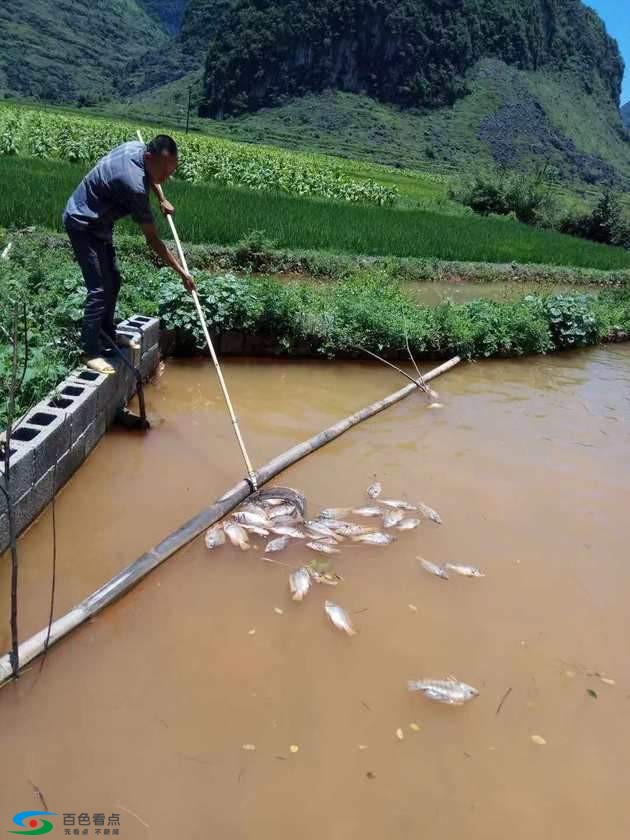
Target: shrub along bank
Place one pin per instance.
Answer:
(368, 308)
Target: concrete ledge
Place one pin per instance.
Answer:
(51, 442)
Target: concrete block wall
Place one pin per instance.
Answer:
(51, 442)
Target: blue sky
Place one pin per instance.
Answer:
(616, 16)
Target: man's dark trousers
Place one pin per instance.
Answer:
(99, 266)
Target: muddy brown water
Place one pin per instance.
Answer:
(144, 710)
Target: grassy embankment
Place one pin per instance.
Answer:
(34, 193)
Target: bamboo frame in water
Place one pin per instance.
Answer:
(138, 569)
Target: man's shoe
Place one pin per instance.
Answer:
(125, 341)
(100, 366)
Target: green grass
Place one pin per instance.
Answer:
(35, 191)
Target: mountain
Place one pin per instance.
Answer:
(168, 12)
(625, 115)
(410, 53)
(71, 50)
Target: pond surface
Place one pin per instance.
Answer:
(144, 711)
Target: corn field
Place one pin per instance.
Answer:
(44, 134)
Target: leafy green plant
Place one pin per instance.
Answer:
(573, 320)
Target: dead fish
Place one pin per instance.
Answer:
(281, 510)
(375, 490)
(262, 532)
(334, 513)
(339, 618)
(449, 691)
(433, 568)
(322, 547)
(349, 529)
(215, 537)
(299, 583)
(325, 540)
(278, 544)
(368, 511)
(290, 521)
(466, 571)
(327, 578)
(288, 531)
(374, 538)
(436, 405)
(408, 524)
(393, 517)
(244, 517)
(252, 508)
(273, 502)
(236, 535)
(398, 503)
(319, 528)
(429, 513)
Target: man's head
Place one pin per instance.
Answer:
(161, 158)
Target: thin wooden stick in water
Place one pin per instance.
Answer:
(418, 383)
(431, 394)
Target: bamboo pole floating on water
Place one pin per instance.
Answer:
(182, 258)
(138, 569)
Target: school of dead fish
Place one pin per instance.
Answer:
(281, 519)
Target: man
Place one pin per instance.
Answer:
(118, 186)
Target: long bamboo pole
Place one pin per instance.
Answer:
(182, 258)
(135, 571)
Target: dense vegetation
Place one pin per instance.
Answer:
(45, 134)
(168, 12)
(62, 51)
(409, 52)
(367, 308)
(35, 191)
(625, 115)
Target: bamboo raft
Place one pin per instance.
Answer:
(132, 574)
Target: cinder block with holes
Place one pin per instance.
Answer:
(150, 361)
(104, 385)
(78, 402)
(28, 508)
(70, 462)
(125, 377)
(52, 439)
(150, 328)
(95, 432)
(21, 468)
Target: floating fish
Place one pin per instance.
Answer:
(299, 583)
(282, 510)
(288, 531)
(322, 547)
(408, 524)
(278, 544)
(215, 537)
(466, 571)
(319, 528)
(291, 521)
(251, 508)
(433, 568)
(368, 511)
(327, 578)
(393, 517)
(429, 513)
(339, 618)
(273, 502)
(244, 517)
(334, 513)
(449, 691)
(398, 503)
(262, 532)
(375, 490)
(236, 535)
(349, 529)
(374, 538)
(436, 405)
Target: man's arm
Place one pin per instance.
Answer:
(155, 243)
(165, 206)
